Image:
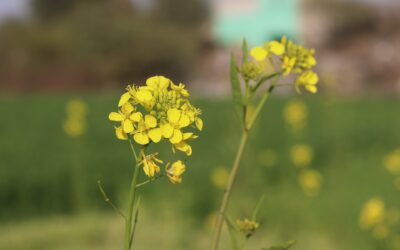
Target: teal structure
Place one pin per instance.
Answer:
(267, 19)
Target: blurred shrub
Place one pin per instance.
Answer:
(93, 45)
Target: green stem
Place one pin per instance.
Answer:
(262, 103)
(228, 189)
(132, 193)
(149, 180)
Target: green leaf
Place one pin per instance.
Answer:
(245, 51)
(257, 208)
(285, 246)
(236, 90)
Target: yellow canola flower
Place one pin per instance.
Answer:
(301, 155)
(149, 164)
(175, 170)
(259, 53)
(275, 47)
(295, 114)
(392, 162)
(308, 80)
(310, 181)
(288, 65)
(176, 121)
(147, 130)
(75, 124)
(74, 127)
(246, 226)
(372, 213)
(126, 116)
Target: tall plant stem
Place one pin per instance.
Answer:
(132, 194)
(228, 189)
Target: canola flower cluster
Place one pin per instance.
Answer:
(159, 110)
(302, 154)
(246, 226)
(380, 221)
(75, 123)
(293, 58)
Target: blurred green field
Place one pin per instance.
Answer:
(49, 198)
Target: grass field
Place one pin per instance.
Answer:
(49, 198)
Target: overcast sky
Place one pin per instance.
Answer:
(13, 8)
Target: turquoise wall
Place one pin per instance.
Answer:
(270, 19)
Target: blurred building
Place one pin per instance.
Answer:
(256, 20)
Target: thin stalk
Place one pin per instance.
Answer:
(149, 180)
(261, 104)
(132, 193)
(228, 189)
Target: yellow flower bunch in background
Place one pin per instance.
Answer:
(292, 58)
(159, 110)
(75, 124)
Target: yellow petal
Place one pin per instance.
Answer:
(199, 124)
(155, 135)
(167, 130)
(117, 117)
(184, 147)
(124, 99)
(311, 88)
(276, 47)
(136, 117)
(184, 121)
(176, 137)
(143, 95)
(259, 53)
(127, 126)
(187, 136)
(150, 121)
(127, 108)
(173, 115)
(158, 81)
(121, 134)
(141, 138)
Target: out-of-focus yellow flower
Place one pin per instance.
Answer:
(381, 231)
(259, 53)
(310, 181)
(75, 124)
(308, 80)
(275, 47)
(175, 171)
(74, 128)
(219, 177)
(301, 155)
(268, 157)
(288, 65)
(248, 227)
(372, 213)
(392, 162)
(295, 114)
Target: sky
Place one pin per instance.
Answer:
(13, 8)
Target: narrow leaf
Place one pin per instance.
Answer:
(257, 208)
(245, 51)
(235, 85)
